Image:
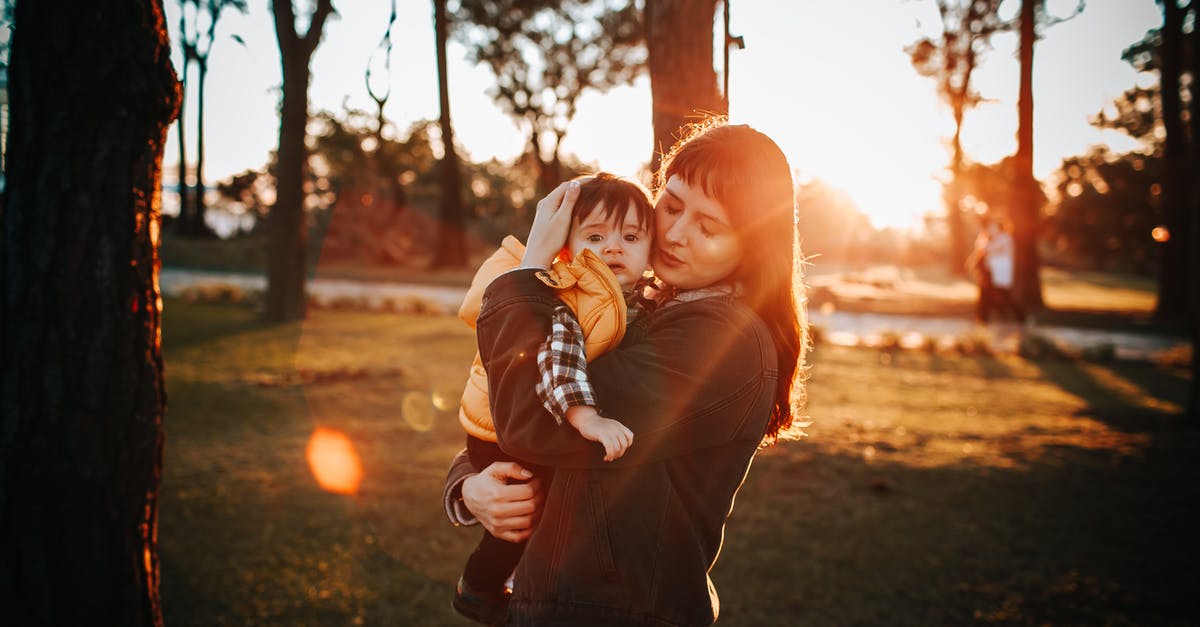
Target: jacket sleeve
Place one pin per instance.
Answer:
(702, 378)
(461, 469)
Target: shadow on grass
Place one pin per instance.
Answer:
(989, 366)
(189, 324)
(1075, 537)
(1140, 404)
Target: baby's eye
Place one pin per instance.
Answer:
(631, 237)
(595, 238)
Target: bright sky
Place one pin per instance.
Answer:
(829, 81)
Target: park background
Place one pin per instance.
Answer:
(953, 473)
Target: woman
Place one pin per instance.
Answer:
(712, 372)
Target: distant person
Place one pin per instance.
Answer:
(977, 269)
(607, 253)
(995, 244)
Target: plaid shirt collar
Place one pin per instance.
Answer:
(663, 295)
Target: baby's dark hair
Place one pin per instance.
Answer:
(616, 194)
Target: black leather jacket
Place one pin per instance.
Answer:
(631, 542)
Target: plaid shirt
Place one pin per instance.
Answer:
(563, 367)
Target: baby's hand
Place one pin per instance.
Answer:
(615, 436)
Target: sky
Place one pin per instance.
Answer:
(829, 81)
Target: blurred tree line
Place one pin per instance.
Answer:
(374, 197)
(1133, 211)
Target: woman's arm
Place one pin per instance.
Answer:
(507, 510)
(704, 375)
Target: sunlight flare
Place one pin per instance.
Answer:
(333, 461)
(417, 409)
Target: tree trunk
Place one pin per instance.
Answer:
(287, 224)
(199, 225)
(1026, 209)
(187, 224)
(81, 387)
(1194, 249)
(953, 198)
(547, 176)
(184, 204)
(1173, 274)
(450, 251)
(286, 221)
(683, 82)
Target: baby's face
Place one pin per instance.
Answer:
(624, 246)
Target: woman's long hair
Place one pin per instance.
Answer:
(747, 173)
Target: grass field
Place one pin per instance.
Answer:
(933, 489)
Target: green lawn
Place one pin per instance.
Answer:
(933, 489)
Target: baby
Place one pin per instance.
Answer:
(607, 254)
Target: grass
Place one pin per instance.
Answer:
(933, 489)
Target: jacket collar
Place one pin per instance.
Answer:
(653, 294)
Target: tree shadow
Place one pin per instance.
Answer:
(989, 366)
(197, 323)
(1075, 536)
(1114, 406)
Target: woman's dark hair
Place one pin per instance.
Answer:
(614, 195)
(748, 174)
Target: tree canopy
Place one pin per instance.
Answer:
(545, 54)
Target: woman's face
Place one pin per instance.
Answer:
(695, 244)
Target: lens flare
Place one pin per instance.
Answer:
(443, 399)
(417, 409)
(333, 461)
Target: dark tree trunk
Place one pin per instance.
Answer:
(1194, 248)
(1173, 274)
(450, 251)
(81, 388)
(288, 229)
(1026, 209)
(549, 173)
(683, 82)
(185, 211)
(953, 197)
(199, 225)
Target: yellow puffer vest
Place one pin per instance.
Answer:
(585, 284)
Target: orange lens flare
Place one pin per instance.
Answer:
(333, 461)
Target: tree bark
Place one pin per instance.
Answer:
(1026, 209)
(1194, 249)
(683, 82)
(185, 206)
(450, 251)
(81, 388)
(953, 197)
(1172, 300)
(287, 224)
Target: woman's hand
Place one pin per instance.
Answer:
(551, 224)
(507, 511)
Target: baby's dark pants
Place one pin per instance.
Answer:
(493, 560)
